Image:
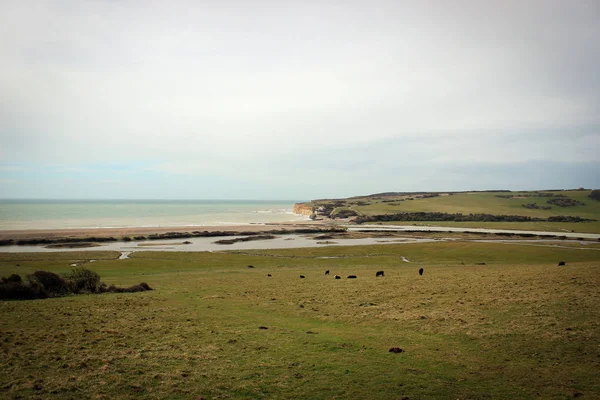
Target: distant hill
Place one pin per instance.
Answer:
(568, 210)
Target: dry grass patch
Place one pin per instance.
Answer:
(518, 327)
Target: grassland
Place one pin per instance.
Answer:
(516, 327)
(580, 227)
(484, 203)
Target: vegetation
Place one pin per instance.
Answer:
(57, 242)
(564, 202)
(531, 204)
(437, 216)
(518, 327)
(245, 239)
(44, 284)
(535, 206)
(594, 194)
(342, 212)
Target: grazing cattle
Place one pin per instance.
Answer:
(327, 272)
(268, 274)
(337, 277)
(250, 266)
(301, 276)
(379, 273)
(561, 263)
(421, 271)
(351, 277)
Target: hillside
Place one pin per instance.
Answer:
(531, 210)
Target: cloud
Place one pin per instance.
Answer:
(238, 90)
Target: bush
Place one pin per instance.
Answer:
(343, 213)
(13, 278)
(142, 287)
(21, 291)
(565, 202)
(53, 284)
(43, 284)
(595, 194)
(568, 218)
(536, 206)
(84, 280)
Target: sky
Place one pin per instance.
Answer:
(276, 99)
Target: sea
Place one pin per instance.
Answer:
(84, 214)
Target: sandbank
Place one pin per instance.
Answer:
(145, 231)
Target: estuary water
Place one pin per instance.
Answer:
(208, 244)
(82, 214)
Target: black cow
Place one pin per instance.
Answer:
(379, 273)
(337, 277)
(421, 271)
(351, 277)
(301, 276)
(327, 272)
(561, 263)
(268, 274)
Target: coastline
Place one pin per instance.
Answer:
(78, 233)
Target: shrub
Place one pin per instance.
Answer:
(565, 202)
(595, 194)
(13, 278)
(142, 287)
(536, 206)
(43, 284)
(21, 291)
(568, 218)
(343, 213)
(84, 280)
(53, 284)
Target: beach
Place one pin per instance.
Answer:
(27, 234)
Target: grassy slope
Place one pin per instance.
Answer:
(488, 203)
(517, 327)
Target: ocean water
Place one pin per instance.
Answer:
(65, 214)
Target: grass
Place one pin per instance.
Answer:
(517, 327)
(580, 227)
(489, 203)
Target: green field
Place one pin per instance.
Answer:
(516, 327)
(485, 203)
(580, 227)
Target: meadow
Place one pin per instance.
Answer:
(495, 203)
(485, 321)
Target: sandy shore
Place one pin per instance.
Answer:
(120, 232)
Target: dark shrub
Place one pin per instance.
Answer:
(84, 280)
(53, 284)
(536, 206)
(142, 287)
(343, 213)
(595, 194)
(13, 278)
(565, 202)
(21, 291)
(568, 218)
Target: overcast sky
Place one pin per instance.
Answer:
(279, 99)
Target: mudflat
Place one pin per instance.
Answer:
(144, 231)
